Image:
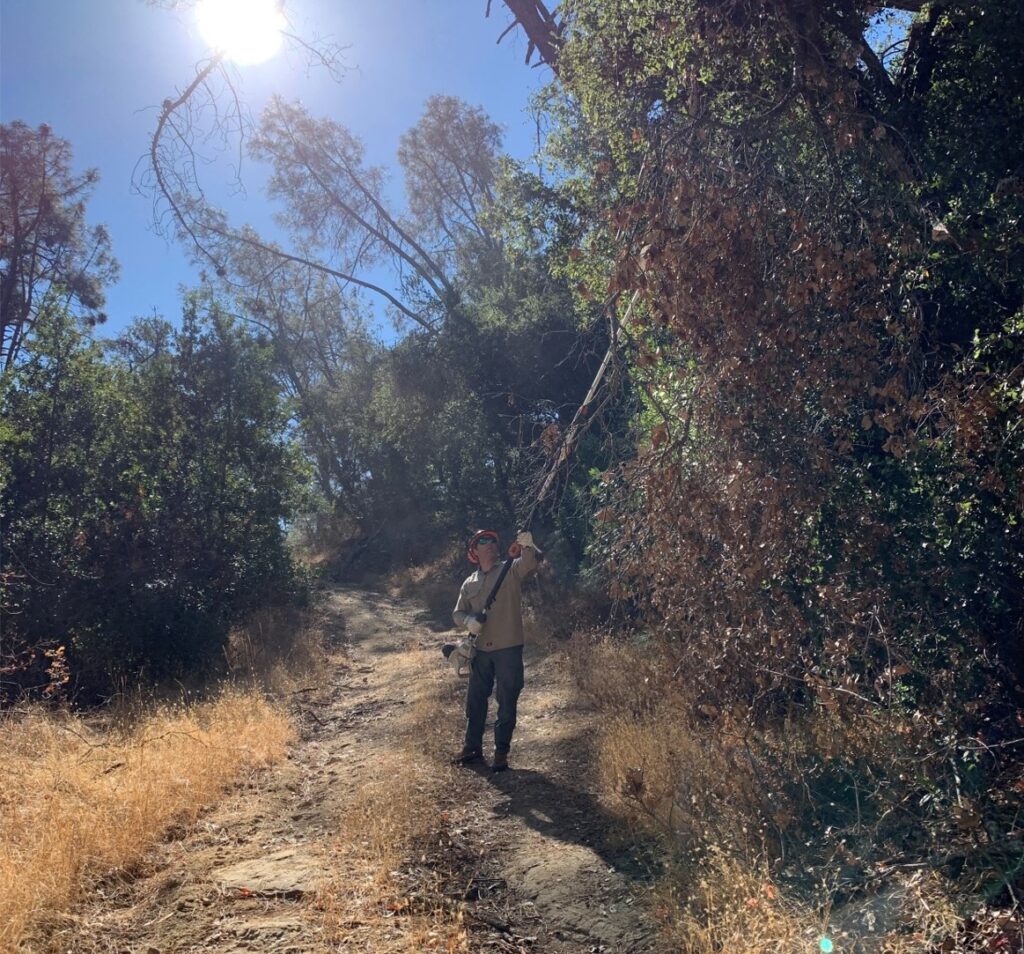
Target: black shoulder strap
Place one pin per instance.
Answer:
(497, 586)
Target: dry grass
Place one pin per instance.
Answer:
(396, 850)
(77, 802)
(274, 647)
(392, 895)
(668, 775)
(708, 795)
(617, 677)
(747, 869)
(733, 907)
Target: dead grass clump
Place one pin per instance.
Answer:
(731, 905)
(77, 802)
(822, 822)
(275, 646)
(672, 776)
(617, 676)
(726, 827)
(391, 816)
(393, 848)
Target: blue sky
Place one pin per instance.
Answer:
(97, 70)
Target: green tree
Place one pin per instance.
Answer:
(450, 159)
(144, 497)
(430, 435)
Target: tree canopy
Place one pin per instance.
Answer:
(49, 256)
(141, 500)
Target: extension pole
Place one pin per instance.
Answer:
(579, 419)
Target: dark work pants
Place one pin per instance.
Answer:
(503, 669)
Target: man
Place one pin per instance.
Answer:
(498, 661)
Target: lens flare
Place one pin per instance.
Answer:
(825, 946)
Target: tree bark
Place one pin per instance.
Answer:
(541, 28)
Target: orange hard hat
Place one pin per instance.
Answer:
(471, 552)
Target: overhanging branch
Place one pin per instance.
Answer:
(542, 29)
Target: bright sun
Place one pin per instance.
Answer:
(246, 31)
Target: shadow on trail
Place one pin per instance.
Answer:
(438, 618)
(572, 816)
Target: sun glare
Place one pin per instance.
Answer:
(246, 31)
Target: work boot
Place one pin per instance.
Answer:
(500, 763)
(468, 757)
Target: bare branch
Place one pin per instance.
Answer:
(252, 242)
(181, 217)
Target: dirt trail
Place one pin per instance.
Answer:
(527, 861)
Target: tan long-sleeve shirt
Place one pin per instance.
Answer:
(504, 626)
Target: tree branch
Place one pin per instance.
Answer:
(320, 267)
(540, 26)
(163, 186)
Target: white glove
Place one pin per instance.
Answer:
(525, 539)
(474, 625)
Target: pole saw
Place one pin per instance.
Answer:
(580, 421)
(460, 654)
